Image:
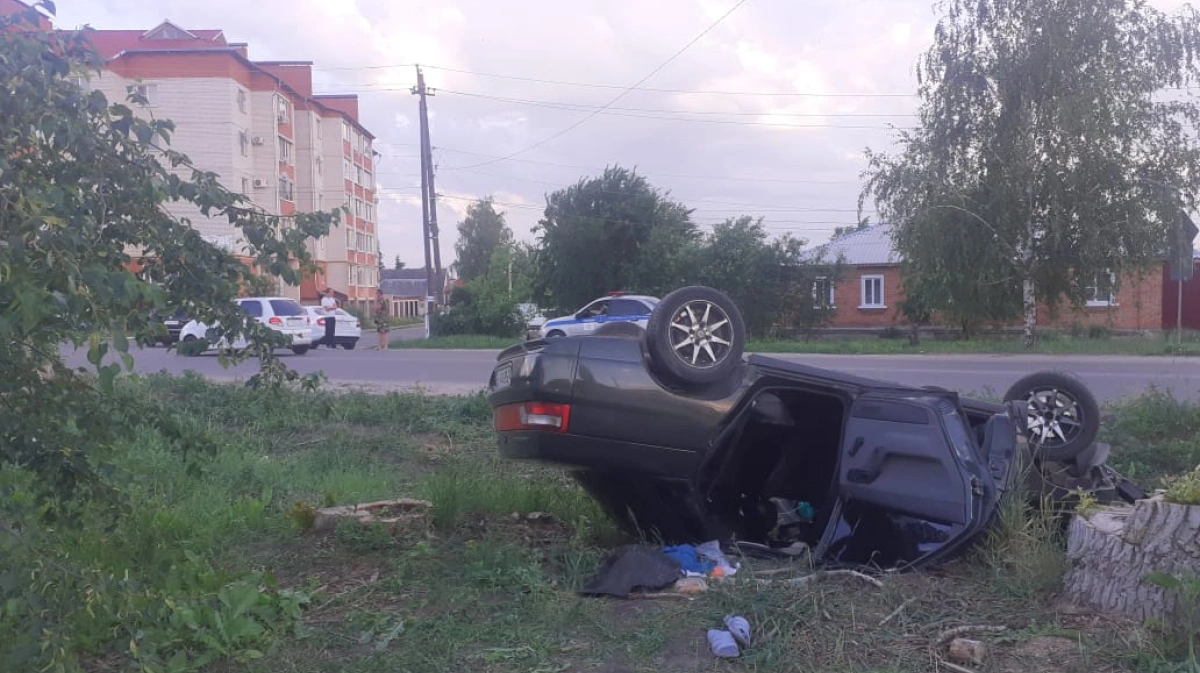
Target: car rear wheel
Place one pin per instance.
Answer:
(554, 334)
(1062, 416)
(349, 345)
(300, 350)
(696, 335)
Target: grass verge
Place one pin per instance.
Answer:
(1048, 344)
(211, 567)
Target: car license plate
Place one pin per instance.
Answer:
(504, 376)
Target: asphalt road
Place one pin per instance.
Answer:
(463, 371)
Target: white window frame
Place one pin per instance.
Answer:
(244, 142)
(287, 189)
(346, 134)
(863, 283)
(285, 151)
(350, 240)
(147, 90)
(1093, 290)
(242, 100)
(282, 110)
(347, 169)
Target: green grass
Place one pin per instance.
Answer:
(209, 554)
(463, 341)
(1050, 344)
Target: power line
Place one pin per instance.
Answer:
(722, 178)
(620, 95)
(687, 200)
(582, 107)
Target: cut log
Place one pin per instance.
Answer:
(1113, 549)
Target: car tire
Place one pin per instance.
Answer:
(300, 350)
(554, 334)
(349, 345)
(1062, 415)
(629, 330)
(696, 336)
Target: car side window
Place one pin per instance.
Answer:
(628, 307)
(252, 308)
(594, 309)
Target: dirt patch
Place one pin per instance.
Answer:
(1047, 654)
(686, 651)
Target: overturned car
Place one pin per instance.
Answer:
(683, 438)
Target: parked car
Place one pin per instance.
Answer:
(173, 324)
(682, 438)
(278, 313)
(616, 307)
(534, 319)
(346, 329)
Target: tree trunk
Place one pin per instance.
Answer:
(1113, 549)
(1029, 303)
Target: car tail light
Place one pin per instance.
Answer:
(275, 321)
(532, 416)
(321, 321)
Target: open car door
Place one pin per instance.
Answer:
(910, 482)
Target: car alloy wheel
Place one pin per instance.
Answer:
(701, 334)
(1054, 417)
(1062, 417)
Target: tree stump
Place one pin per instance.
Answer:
(1113, 549)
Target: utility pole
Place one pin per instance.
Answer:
(425, 203)
(429, 191)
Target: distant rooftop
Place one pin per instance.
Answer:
(862, 247)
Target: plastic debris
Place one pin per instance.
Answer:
(739, 628)
(723, 644)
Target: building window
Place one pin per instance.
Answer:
(148, 92)
(246, 185)
(346, 135)
(347, 169)
(350, 240)
(281, 110)
(872, 292)
(241, 100)
(1102, 291)
(286, 191)
(320, 166)
(823, 292)
(368, 180)
(285, 151)
(244, 143)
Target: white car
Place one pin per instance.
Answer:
(346, 328)
(616, 307)
(278, 313)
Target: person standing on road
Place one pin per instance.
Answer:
(380, 315)
(330, 304)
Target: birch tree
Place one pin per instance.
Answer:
(1055, 145)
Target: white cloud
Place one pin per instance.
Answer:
(775, 49)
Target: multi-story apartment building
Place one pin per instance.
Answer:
(260, 127)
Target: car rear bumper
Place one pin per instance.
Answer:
(574, 451)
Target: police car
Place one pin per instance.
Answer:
(615, 307)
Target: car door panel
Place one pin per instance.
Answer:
(896, 455)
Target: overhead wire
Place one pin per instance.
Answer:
(619, 96)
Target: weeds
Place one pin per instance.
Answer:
(186, 579)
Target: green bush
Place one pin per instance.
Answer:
(479, 309)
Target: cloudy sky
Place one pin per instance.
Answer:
(767, 114)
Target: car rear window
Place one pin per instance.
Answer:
(286, 307)
(627, 307)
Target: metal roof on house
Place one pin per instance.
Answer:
(871, 246)
(404, 287)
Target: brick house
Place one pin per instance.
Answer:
(869, 293)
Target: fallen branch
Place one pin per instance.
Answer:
(954, 667)
(835, 573)
(773, 571)
(950, 634)
(661, 596)
(895, 613)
